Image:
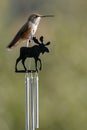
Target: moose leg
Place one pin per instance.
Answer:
(40, 63)
(36, 64)
(23, 63)
(18, 59)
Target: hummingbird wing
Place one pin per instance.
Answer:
(18, 35)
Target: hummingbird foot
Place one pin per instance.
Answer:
(28, 42)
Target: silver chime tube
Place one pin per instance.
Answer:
(32, 101)
(27, 102)
(36, 100)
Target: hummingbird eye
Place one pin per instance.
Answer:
(35, 16)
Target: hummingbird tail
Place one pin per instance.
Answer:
(12, 44)
(9, 46)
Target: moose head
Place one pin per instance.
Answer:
(42, 46)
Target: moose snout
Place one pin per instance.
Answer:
(47, 50)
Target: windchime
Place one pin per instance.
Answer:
(31, 80)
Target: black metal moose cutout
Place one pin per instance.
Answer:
(32, 52)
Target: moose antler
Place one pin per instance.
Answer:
(36, 40)
(41, 39)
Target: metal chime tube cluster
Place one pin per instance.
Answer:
(32, 101)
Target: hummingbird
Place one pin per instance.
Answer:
(28, 30)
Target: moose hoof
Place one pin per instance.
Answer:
(36, 70)
(26, 70)
(16, 70)
(40, 69)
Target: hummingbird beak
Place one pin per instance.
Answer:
(46, 16)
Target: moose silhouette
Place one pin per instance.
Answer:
(32, 52)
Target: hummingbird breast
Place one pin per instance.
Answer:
(30, 31)
(33, 28)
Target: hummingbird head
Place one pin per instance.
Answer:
(35, 18)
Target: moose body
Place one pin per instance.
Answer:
(32, 52)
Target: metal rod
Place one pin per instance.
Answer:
(29, 64)
(27, 101)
